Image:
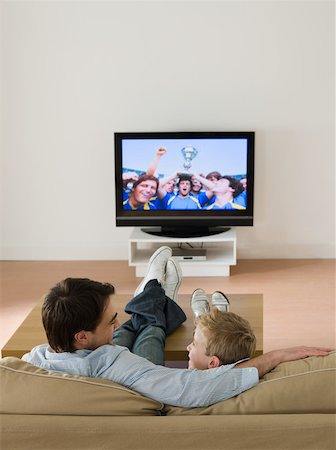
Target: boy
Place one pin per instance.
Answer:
(220, 337)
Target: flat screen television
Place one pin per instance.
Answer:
(184, 183)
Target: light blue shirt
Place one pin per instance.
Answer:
(179, 387)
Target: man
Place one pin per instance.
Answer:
(183, 200)
(140, 195)
(197, 191)
(241, 199)
(225, 190)
(79, 318)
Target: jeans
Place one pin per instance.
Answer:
(153, 317)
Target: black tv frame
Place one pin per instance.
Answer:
(184, 223)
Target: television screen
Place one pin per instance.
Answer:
(184, 180)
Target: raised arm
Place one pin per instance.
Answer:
(155, 161)
(129, 177)
(207, 183)
(161, 192)
(265, 363)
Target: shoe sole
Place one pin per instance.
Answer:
(220, 303)
(206, 300)
(179, 276)
(150, 262)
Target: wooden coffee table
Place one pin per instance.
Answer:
(250, 306)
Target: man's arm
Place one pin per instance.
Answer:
(161, 191)
(265, 363)
(155, 161)
(129, 177)
(207, 183)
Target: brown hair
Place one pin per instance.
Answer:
(72, 305)
(214, 174)
(228, 336)
(145, 177)
(234, 184)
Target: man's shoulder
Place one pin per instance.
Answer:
(38, 351)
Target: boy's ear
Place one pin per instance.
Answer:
(81, 338)
(214, 362)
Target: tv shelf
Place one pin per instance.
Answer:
(220, 252)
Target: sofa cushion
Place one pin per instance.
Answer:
(269, 432)
(303, 386)
(26, 389)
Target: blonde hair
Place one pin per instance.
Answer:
(228, 336)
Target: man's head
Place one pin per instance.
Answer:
(228, 185)
(213, 176)
(184, 185)
(143, 190)
(243, 181)
(78, 313)
(196, 185)
(220, 338)
(170, 186)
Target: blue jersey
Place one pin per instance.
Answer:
(210, 201)
(177, 202)
(126, 193)
(146, 206)
(228, 205)
(161, 203)
(201, 197)
(240, 199)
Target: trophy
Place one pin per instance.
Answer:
(189, 153)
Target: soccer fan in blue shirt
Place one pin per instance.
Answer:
(143, 190)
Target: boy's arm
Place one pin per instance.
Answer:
(265, 363)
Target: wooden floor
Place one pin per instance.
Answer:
(299, 295)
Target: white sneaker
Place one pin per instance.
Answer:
(199, 302)
(156, 268)
(220, 301)
(173, 279)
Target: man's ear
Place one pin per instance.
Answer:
(81, 339)
(214, 362)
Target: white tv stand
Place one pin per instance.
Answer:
(220, 252)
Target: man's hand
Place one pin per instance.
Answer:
(130, 176)
(161, 151)
(265, 363)
(294, 353)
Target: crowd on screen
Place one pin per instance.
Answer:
(182, 191)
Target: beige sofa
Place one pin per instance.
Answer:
(293, 407)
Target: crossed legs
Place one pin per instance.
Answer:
(154, 312)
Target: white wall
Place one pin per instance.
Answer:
(75, 72)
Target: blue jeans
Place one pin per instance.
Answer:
(153, 317)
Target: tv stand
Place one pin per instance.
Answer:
(198, 256)
(184, 232)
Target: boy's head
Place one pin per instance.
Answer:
(220, 338)
(78, 313)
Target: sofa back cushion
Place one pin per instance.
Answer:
(303, 386)
(26, 389)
